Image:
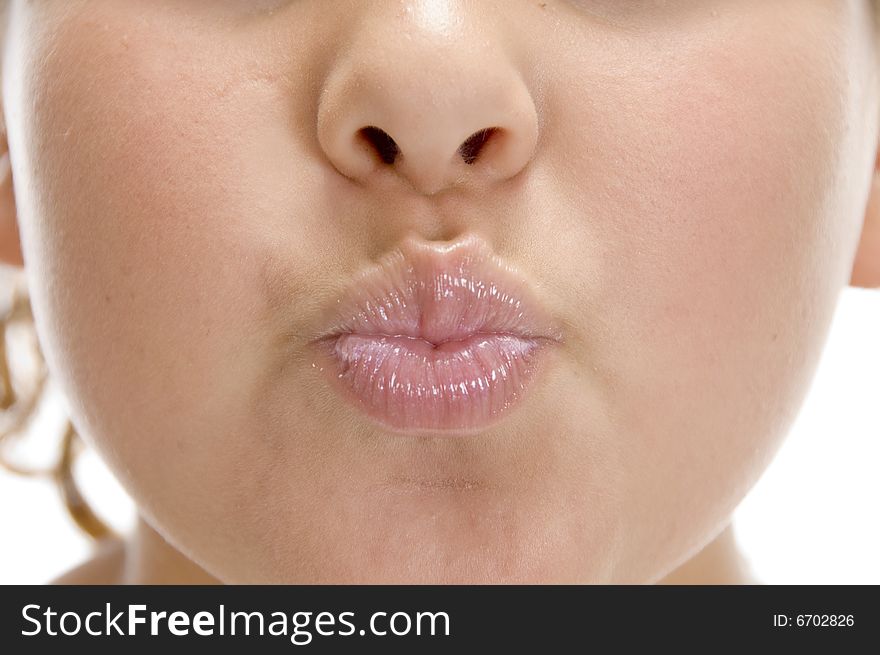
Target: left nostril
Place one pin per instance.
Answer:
(470, 149)
(382, 142)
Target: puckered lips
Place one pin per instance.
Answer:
(436, 337)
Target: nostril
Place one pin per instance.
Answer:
(470, 149)
(382, 142)
(388, 151)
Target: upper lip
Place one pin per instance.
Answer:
(440, 293)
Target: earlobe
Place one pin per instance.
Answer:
(866, 267)
(10, 243)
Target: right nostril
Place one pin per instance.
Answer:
(382, 142)
(471, 148)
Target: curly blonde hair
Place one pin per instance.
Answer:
(19, 407)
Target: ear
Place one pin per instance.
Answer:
(866, 267)
(10, 244)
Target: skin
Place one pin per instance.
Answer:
(702, 181)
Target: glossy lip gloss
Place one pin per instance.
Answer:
(435, 338)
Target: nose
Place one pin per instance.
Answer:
(429, 95)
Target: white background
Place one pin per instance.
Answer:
(814, 517)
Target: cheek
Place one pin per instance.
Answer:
(718, 223)
(741, 246)
(154, 228)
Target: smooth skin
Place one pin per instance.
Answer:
(687, 184)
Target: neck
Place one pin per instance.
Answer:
(720, 562)
(149, 559)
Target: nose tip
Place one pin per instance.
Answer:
(433, 114)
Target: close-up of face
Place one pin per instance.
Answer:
(439, 291)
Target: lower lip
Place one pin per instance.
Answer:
(409, 384)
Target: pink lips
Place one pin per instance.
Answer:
(436, 338)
